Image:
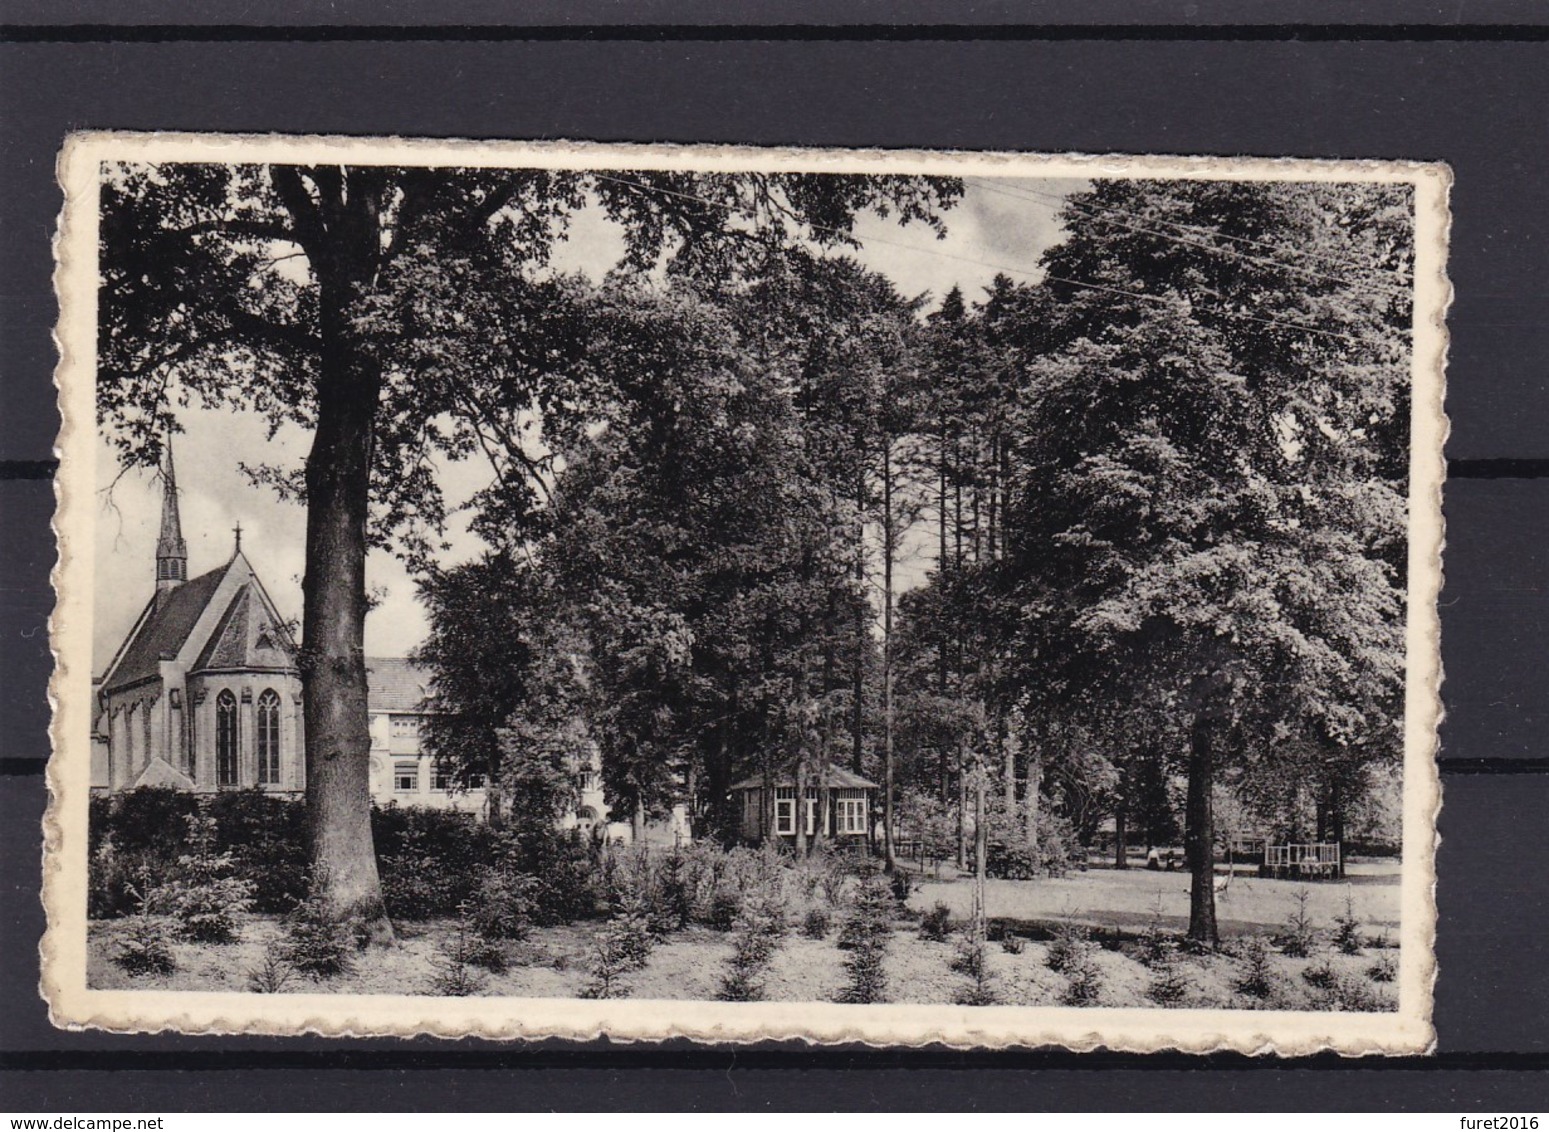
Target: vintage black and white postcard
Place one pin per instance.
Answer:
(520, 590)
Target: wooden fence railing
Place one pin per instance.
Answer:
(1305, 859)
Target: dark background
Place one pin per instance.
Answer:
(1465, 83)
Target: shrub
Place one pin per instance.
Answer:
(902, 884)
(417, 888)
(971, 960)
(816, 924)
(1169, 985)
(755, 939)
(453, 966)
(144, 948)
(1320, 975)
(1012, 860)
(871, 913)
(117, 882)
(969, 957)
(429, 859)
(267, 839)
(1255, 978)
(678, 888)
(630, 926)
(564, 868)
(1013, 944)
(1071, 946)
(133, 841)
(868, 978)
(1347, 929)
(501, 906)
(206, 899)
(1299, 936)
(1009, 857)
(1385, 970)
(272, 975)
(725, 907)
(468, 947)
(1085, 982)
(865, 936)
(1343, 993)
(609, 965)
(1157, 947)
(835, 878)
(317, 943)
(935, 924)
(148, 819)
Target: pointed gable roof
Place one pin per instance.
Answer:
(224, 619)
(247, 636)
(160, 773)
(163, 630)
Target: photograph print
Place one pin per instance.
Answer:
(557, 590)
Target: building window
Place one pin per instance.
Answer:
(269, 738)
(588, 781)
(440, 778)
(226, 739)
(785, 816)
(406, 777)
(812, 813)
(405, 726)
(852, 815)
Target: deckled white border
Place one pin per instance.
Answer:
(63, 950)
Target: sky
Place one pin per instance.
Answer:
(1003, 224)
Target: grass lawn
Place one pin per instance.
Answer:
(1129, 899)
(689, 964)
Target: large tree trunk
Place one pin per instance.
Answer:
(962, 810)
(981, 854)
(339, 229)
(801, 804)
(1337, 821)
(334, 619)
(1009, 763)
(858, 671)
(1199, 835)
(889, 548)
(1033, 789)
(1120, 839)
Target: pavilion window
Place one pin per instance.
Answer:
(852, 814)
(785, 811)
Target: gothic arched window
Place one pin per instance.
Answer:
(269, 738)
(226, 739)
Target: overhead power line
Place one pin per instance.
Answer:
(1035, 274)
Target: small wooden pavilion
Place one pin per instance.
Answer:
(845, 817)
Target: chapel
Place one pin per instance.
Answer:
(204, 693)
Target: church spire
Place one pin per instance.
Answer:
(171, 550)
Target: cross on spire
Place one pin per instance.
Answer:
(237, 530)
